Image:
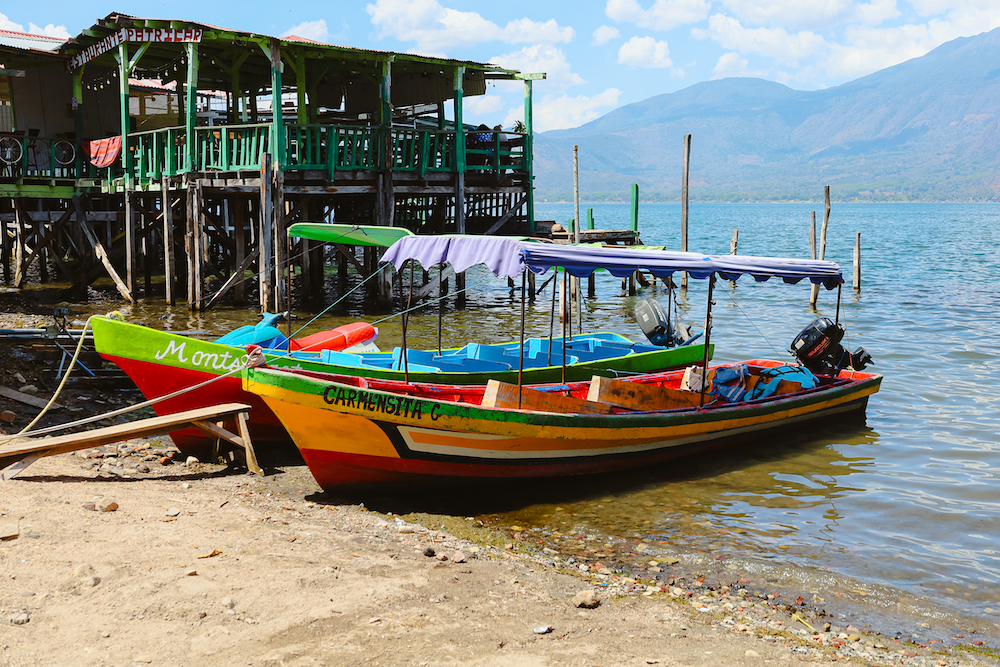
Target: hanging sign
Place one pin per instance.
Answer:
(159, 35)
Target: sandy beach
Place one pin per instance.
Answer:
(128, 554)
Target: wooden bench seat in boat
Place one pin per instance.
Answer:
(639, 396)
(504, 395)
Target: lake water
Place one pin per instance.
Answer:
(897, 518)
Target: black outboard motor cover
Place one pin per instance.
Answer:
(818, 348)
(652, 319)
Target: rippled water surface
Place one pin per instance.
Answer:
(901, 512)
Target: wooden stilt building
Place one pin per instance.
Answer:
(163, 152)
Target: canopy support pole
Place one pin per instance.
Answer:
(708, 341)
(565, 300)
(840, 288)
(520, 361)
(440, 304)
(552, 316)
(406, 320)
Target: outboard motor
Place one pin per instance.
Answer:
(654, 322)
(818, 348)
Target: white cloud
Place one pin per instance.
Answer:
(50, 30)
(526, 30)
(733, 64)
(434, 27)
(662, 15)
(7, 24)
(542, 58)
(795, 14)
(315, 30)
(645, 52)
(557, 113)
(777, 43)
(481, 105)
(603, 35)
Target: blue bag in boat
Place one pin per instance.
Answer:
(730, 382)
(770, 377)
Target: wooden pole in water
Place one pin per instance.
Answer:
(733, 245)
(857, 262)
(822, 240)
(812, 237)
(684, 203)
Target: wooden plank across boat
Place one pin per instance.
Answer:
(357, 431)
(18, 455)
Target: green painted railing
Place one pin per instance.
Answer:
(332, 148)
(329, 148)
(232, 147)
(158, 153)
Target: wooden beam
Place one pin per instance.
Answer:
(638, 396)
(99, 250)
(510, 396)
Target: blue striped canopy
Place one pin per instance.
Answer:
(581, 261)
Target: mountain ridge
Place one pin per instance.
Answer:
(925, 129)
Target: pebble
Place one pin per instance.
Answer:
(543, 629)
(8, 416)
(173, 511)
(20, 378)
(429, 551)
(20, 619)
(90, 506)
(29, 389)
(458, 557)
(192, 460)
(190, 573)
(228, 603)
(586, 599)
(108, 506)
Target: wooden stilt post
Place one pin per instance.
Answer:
(147, 245)
(238, 209)
(5, 244)
(814, 297)
(168, 242)
(282, 268)
(265, 234)
(196, 257)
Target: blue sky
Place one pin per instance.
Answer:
(598, 54)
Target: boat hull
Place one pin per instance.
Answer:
(161, 363)
(353, 435)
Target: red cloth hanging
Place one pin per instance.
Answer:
(102, 152)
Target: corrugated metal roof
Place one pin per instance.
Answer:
(83, 40)
(30, 42)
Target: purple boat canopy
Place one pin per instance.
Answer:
(500, 254)
(506, 256)
(581, 261)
